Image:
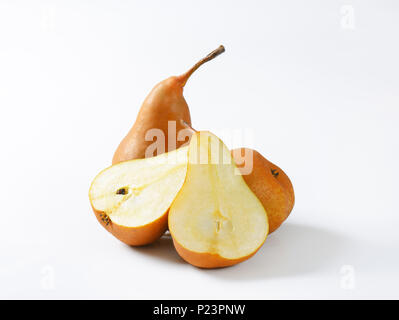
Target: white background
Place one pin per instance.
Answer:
(316, 86)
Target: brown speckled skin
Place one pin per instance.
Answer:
(164, 103)
(275, 193)
(207, 260)
(136, 236)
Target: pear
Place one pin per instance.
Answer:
(269, 183)
(215, 220)
(131, 199)
(161, 111)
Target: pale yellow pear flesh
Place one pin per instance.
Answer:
(215, 220)
(131, 199)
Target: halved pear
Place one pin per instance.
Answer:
(215, 220)
(131, 199)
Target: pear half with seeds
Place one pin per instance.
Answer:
(131, 199)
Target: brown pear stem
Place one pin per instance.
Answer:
(184, 123)
(209, 57)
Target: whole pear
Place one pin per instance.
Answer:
(269, 183)
(164, 107)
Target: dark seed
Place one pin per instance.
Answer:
(121, 191)
(274, 172)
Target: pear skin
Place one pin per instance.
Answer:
(270, 184)
(134, 236)
(165, 103)
(207, 260)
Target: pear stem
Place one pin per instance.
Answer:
(184, 123)
(209, 57)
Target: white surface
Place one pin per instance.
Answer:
(321, 100)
